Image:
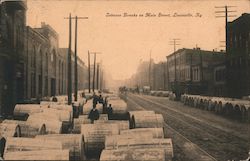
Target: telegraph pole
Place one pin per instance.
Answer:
(93, 85)
(76, 74)
(164, 76)
(69, 66)
(97, 76)
(69, 61)
(89, 69)
(95, 53)
(149, 70)
(226, 16)
(175, 42)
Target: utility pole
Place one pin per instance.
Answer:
(175, 42)
(226, 16)
(93, 85)
(149, 70)
(164, 76)
(89, 69)
(69, 61)
(97, 76)
(76, 74)
(69, 66)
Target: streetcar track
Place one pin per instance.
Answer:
(182, 136)
(221, 136)
(191, 117)
(224, 129)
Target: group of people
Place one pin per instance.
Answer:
(94, 113)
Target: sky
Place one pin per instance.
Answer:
(125, 41)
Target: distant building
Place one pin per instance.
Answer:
(238, 57)
(193, 71)
(12, 62)
(81, 68)
(160, 80)
(41, 57)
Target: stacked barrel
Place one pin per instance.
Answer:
(144, 140)
(42, 132)
(57, 131)
(233, 108)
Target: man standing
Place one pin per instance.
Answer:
(93, 115)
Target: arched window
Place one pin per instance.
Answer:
(47, 61)
(41, 60)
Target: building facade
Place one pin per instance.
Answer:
(32, 65)
(47, 64)
(192, 70)
(238, 57)
(12, 62)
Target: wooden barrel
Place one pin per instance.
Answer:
(148, 121)
(30, 144)
(22, 111)
(156, 132)
(141, 143)
(53, 124)
(119, 106)
(123, 125)
(29, 129)
(64, 112)
(154, 154)
(89, 105)
(47, 103)
(38, 155)
(111, 140)
(74, 143)
(27, 108)
(10, 130)
(83, 119)
(94, 136)
(62, 115)
(141, 112)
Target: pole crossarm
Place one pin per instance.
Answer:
(76, 18)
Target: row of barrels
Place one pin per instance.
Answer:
(232, 108)
(133, 137)
(40, 137)
(143, 141)
(41, 132)
(160, 93)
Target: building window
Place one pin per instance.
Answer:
(33, 57)
(220, 75)
(52, 57)
(196, 74)
(33, 85)
(187, 74)
(235, 41)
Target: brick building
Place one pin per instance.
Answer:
(47, 64)
(32, 65)
(238, 57)
(160, 80)
(12, 62)
(41, 51)
(193, 70)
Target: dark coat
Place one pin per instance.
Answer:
(93, 115)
